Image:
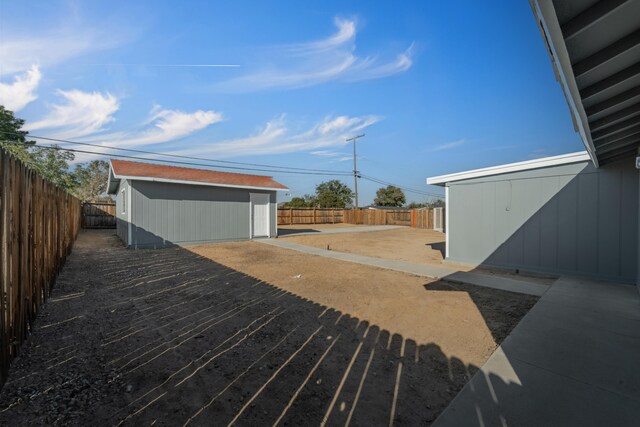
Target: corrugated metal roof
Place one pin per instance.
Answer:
(151, 171)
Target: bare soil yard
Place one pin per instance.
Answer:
(317, 226)
(244, 333)
(403, 244)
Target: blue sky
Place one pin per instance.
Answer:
(437, 87)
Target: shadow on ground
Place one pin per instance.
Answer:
(293, 231)
(440, 247)
(173, 338)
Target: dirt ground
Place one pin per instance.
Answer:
(317, 226)
(248, 334)
(402, 244)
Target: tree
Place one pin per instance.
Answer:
(306, 201)
(51, 163)
(328, 199)
(297, 202)
(416, 205)
(14, 139)
(438, 203)
(333, 194)
(389, 196)
(91, 180)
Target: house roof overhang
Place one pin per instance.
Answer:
(176, 175)
(564, 159)
(595, 51)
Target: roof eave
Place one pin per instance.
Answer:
(564, 159)
(188, 182)
(549, 26)
(112, 181)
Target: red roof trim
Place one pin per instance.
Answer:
(151, 170)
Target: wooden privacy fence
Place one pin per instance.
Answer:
(416, 218)
(377, 217)
(98, 215)
(422, 218)
(38, 225)
(309, 216)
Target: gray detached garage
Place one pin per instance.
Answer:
(159, 206)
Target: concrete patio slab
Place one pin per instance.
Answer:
(562, 365)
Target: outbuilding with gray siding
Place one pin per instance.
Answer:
(558, 215)
(576, 213)
(159, 206)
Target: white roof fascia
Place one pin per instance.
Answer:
(547, 20)
(564, 159)
(111, 172)
(208, 184)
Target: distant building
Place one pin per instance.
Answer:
(159, 206)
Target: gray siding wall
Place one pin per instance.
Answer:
(121, 219)
(165, 214)
(571, 219)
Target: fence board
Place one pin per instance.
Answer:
(38, 225)
(289, 216)
(98, 215)
(416, 218)
(424, 218)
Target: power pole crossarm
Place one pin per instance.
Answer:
(355, 169)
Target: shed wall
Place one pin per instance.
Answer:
(568, 219)
(121, 218)
(166, 214)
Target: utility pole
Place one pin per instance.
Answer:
(355, 169)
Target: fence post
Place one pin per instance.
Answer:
(314, 215)
(290, 216)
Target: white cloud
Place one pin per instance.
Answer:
(325, 153)
(84, 116)
(402, 63)
(275, 138)
(346, 33)
(81, 114)
(449, 145)
(15, 96)
(162, 126)
(338, 124)
(19, 53)
(315, 62)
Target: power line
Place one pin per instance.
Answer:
(131, 150)
(408, 189)
(259, 167)
(74, 150)
(380, 181)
